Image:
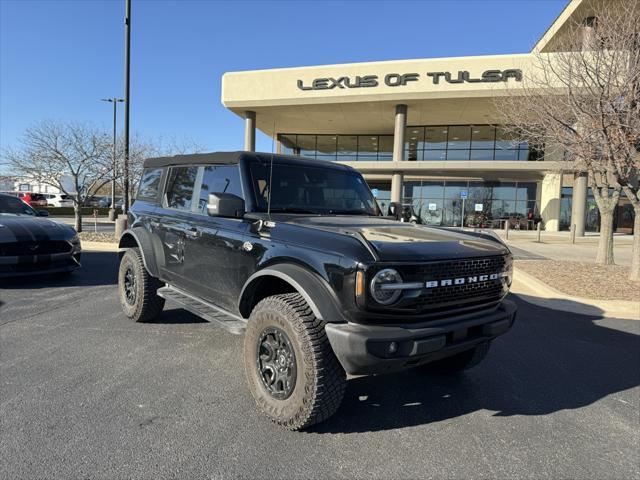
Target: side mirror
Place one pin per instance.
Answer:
(42, 213)
(225, 205)
(395, 210)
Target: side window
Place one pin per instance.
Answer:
(180, 185)
(219, 179)
(150, 183)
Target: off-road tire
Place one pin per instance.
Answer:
(319, 380)
(460, 362)
(147, 305)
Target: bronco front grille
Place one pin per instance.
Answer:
(18, 249)
(453, 296)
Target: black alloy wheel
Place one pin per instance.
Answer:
(276, 363)
(129, 286)
(138, 289)
(292, 372)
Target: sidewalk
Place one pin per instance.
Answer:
(534, 291)
(99, 246)
(558, 246)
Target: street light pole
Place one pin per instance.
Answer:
(127, 39)
(114, 166)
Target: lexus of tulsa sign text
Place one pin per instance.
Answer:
(401, 79)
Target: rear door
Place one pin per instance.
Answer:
(176, 229)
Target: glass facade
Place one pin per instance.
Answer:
(623, 215)
(438, 202)
(439, 142)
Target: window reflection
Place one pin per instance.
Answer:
(459, 137)
(483, 136)
(306, 145)
(436, 138)
(385, 146)
(439, 202)
(430, 143)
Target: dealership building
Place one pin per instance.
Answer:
(425, 132)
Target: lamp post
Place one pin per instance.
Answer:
(127, 100)
(112, 210)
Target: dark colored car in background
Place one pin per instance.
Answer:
(32, 244)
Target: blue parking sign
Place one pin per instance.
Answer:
(375, 192)
(464, 194)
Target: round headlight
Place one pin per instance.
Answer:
(385, 296)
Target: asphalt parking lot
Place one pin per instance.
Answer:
(87, 394)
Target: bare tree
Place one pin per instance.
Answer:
(73, 157)
(141, 148)
(584, 98)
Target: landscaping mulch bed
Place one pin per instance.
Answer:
(97, 237)
(586, 280)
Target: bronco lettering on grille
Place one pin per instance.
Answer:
(464, 280)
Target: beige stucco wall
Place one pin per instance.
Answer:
(278, 87)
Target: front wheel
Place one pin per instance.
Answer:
(138, 289)
(292, 372)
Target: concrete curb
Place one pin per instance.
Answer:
(539, 293)
(98, 246)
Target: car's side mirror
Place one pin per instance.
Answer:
(395, 210)
(42, 213)
(225, 205)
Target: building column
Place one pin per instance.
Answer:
(250, 131)
(396, 187)
(398, 151)
(550, 201)
(579, 203)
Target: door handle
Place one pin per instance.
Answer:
(189, 232)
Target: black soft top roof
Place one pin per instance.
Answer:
(236, 157)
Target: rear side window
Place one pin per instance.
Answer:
(180, 183)
(219, 179)
(150, 183)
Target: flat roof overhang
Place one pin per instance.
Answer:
(488, 170)
(278, 100)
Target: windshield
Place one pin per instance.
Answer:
(15, 206)
(314, 190)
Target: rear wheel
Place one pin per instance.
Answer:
(460, 362)
(138, 289)
(292, 372)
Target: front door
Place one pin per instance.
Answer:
(220, 253)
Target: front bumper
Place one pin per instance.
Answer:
(27, 265)
(364, 349)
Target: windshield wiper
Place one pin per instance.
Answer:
(293, 210)
(350, 212)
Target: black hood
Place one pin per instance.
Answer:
(404, 242)
(29, 229)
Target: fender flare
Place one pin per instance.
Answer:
(143, 240)
(313, 288)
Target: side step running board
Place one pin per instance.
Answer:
(208, 311)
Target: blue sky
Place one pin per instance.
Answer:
(58, 58)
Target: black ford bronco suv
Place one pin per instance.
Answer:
(295, 254)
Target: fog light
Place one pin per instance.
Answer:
(393, 348)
